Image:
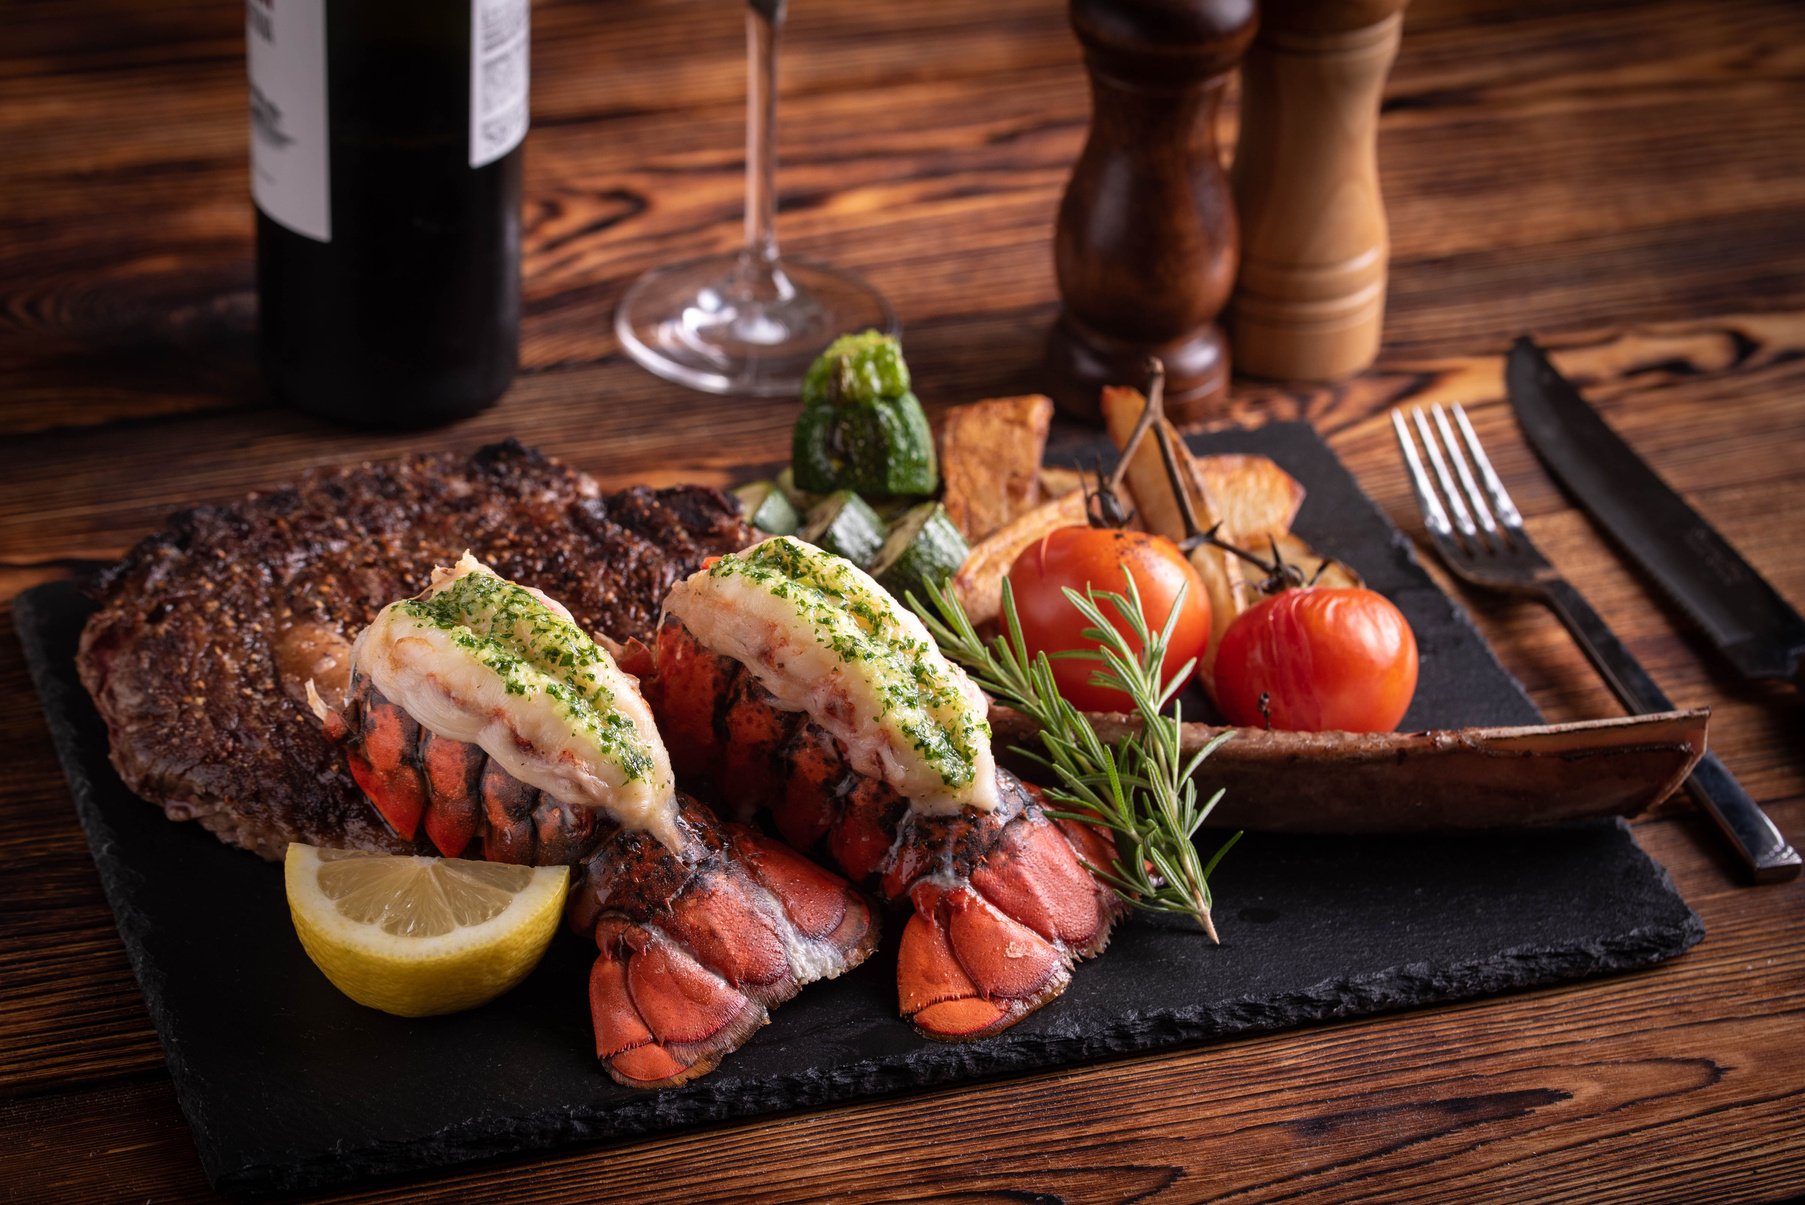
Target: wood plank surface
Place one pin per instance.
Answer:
(1623, 179)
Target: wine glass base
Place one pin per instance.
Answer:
(726, 325)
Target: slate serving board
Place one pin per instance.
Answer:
(287, 1084)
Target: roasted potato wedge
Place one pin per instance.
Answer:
(1057, 482)
(990, 460)
(979, 582)
(1257, 497)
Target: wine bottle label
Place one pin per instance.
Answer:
(498, 78)
(290, 172)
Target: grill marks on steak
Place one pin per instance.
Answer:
(208, 629)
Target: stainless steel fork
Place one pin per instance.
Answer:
(1478, 532)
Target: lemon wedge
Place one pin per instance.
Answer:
(420, 936)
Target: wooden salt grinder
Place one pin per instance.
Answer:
(1146, 240)
(1310, 301)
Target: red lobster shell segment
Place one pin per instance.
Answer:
(467, 805)
(696, 948)
(1003, 905)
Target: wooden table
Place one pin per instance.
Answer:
(1622, 179)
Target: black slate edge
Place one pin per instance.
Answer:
(39, 614)
(723, 1097)
(66, 705)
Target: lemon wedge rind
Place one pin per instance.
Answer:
(417, 936)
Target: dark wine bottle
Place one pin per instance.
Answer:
(386, 146)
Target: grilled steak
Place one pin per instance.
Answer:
(209, 631)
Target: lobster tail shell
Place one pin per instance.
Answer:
(696, 949)
(1003, 904)
(979, 956)
(467, 805)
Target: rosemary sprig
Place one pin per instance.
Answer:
(1141, 789)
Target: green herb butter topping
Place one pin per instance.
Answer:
(823, 637)
(480, 659)
(536, 652)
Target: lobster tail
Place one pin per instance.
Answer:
(979, 956)
(661, 1018)
(696, 948)
(1003, 905)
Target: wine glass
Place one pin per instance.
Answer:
(747, 322)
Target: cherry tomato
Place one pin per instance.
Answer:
(1088, 556)
(1326, 659)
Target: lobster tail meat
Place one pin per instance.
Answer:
(480, 711)
(820, 637)
(697, 947)
(759, 713)
(479, 660)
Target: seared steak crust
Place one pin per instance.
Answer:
(208, 630)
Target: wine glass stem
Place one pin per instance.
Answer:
(764, 21)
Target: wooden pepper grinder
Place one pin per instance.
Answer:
(1145, 246)
(1311, 296)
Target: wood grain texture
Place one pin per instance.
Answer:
(1620, 178)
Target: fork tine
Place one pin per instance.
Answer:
(1481, 511)
(1456, 506)
(1434, 517)
(1501, 503)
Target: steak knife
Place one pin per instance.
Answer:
(1753, 626)
(1760, 634)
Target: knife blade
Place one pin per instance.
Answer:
(1755, 629)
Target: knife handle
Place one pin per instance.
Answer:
(1764, 851)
